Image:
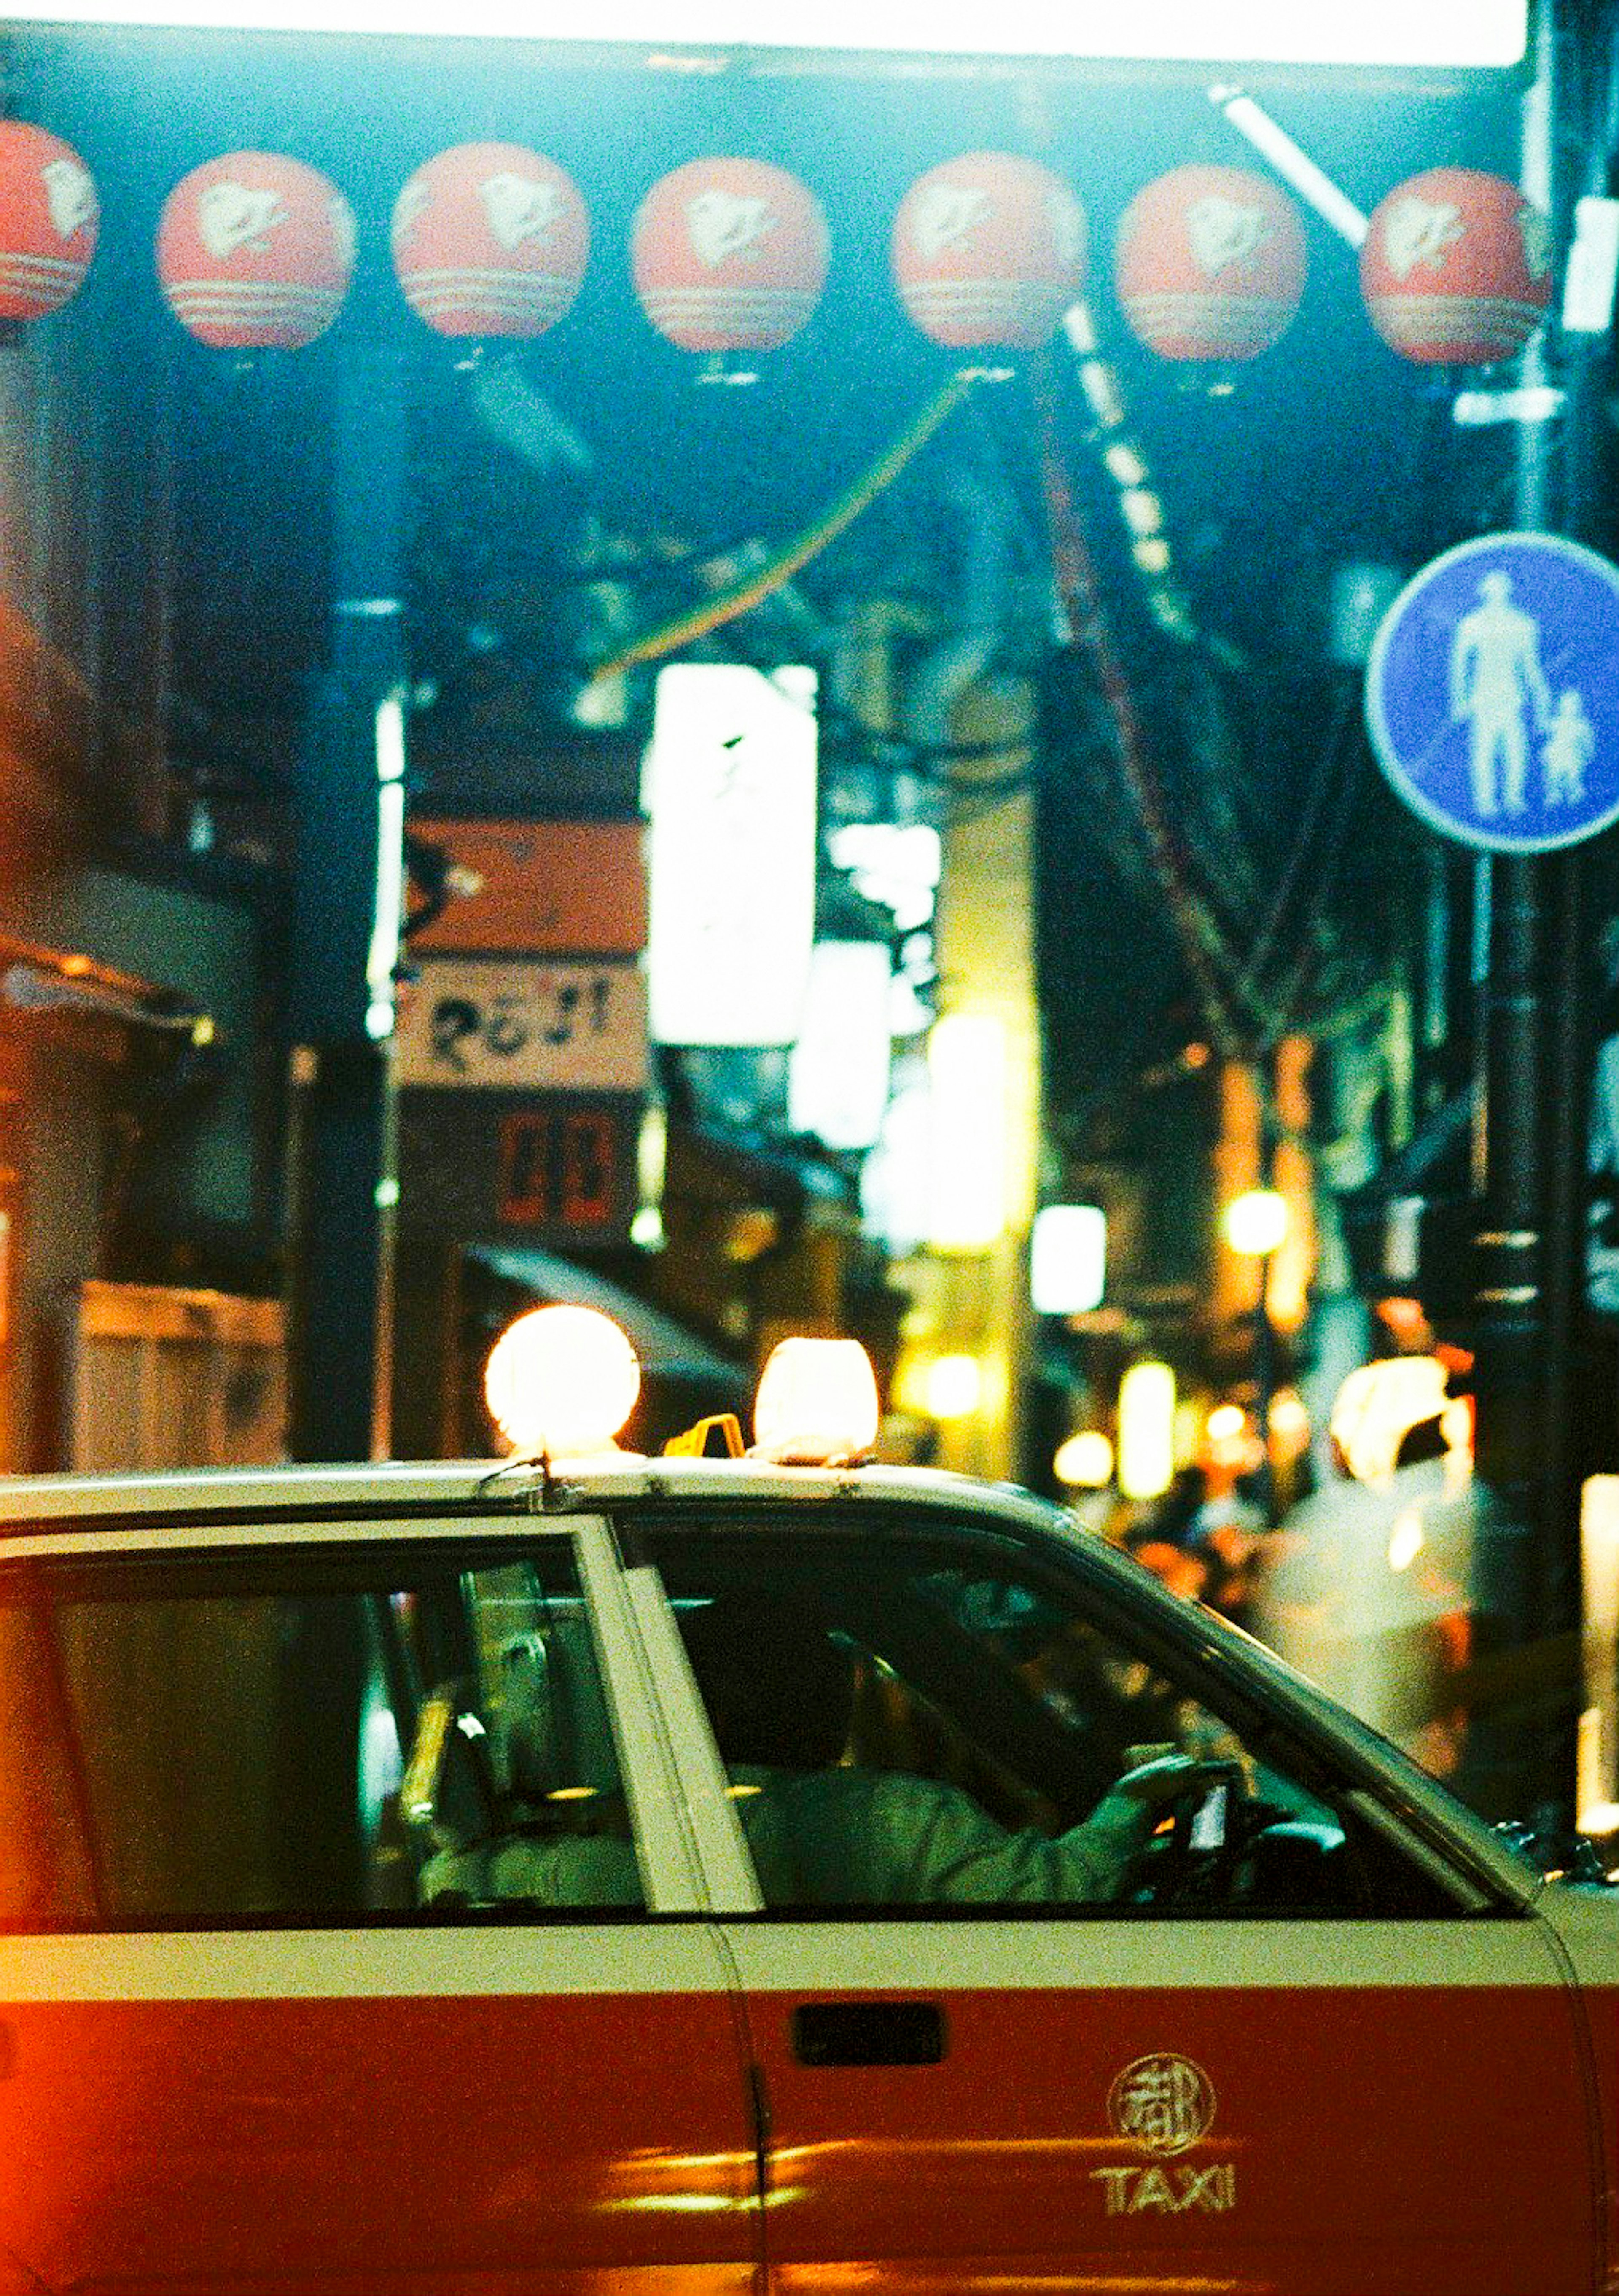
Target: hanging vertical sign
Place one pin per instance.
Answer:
(730, 786)
(521, 1049)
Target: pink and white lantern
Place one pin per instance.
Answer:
(729, 254)
(255, 252)
(1455, 269)
(988, 249)
(1209, 264)
(490, 239)
(49, 219)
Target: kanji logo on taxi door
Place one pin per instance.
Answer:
(1164, 2104)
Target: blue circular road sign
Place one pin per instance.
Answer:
(1492, 692)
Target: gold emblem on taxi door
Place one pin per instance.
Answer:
(1164, 2104)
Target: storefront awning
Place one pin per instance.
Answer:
(666, 1348)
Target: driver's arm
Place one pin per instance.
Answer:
(944, 1850)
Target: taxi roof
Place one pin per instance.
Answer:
(567, 1487)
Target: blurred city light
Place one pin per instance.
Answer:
(1086, 1461)
(1146, 1430)
(837, 1076)
(1069, 1259)
(967, 1066)
(1256, 1222)
(952, 1386)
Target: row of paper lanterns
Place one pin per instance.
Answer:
(256, 250)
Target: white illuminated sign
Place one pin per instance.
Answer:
(387, 918)
(896, 1177)
(893, 862)
(838, 1080)
(1398, 32)
(1146, 1430)
(729, 784)
(967, 1067)
(1069, 1259)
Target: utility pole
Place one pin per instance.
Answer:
(348, 886)
(1535, 1079)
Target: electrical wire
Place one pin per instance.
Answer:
(1207, 954)
(1323, 785)
(740, 597)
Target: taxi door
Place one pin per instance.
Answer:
(238, 2073)
(1370, 2080)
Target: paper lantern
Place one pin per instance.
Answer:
(988, 249)
(729, 254)
(49, 219)
(1210, 264)
(1455, 269)
(255, 251)
(490, 239)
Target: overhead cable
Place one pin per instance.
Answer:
(741, 597)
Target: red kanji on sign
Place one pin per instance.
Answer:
(525, 1160)
(587, 1169)
(557, 1169)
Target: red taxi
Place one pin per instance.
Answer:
(595, 1872)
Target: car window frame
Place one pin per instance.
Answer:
(677, 1877)
(1272, 1706)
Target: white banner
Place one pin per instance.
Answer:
(482, 1022)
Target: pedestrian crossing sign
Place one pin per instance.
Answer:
(1492, 692)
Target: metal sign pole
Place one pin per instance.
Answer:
(348, 878)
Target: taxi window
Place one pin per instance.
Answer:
(322, 1737)
(921, 1721)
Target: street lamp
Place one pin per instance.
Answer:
(1256, 1224)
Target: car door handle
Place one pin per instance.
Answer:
(868, 2033)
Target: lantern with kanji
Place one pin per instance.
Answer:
(490, 239)
(1456, 268)
(48, 220)
(988, 249)
(729, 254)
(255, 252)
(1209, 264)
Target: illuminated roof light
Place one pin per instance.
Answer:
(1126, 465)
(1086, 1461)
(816, 1404)
(1226, 1422)
(561, 1381)
(1151, 555)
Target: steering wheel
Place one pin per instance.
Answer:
(1192, 1860)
